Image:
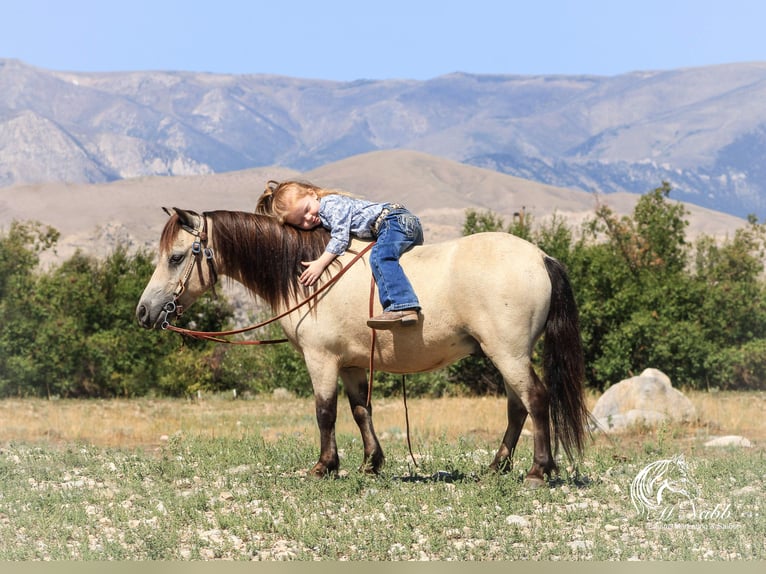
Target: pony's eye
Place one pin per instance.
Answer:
(176, 258)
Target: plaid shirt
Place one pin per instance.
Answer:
(345, 216)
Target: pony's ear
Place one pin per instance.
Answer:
(168, 211)
(187, 218)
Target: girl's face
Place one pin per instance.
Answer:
(304, 212)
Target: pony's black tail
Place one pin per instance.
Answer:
(563, 363)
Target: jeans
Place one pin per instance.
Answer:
(399, 231)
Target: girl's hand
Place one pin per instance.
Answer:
(312, 272)
(315, 268)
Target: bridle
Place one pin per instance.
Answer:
(199, 249)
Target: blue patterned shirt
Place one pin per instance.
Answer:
(345, 216)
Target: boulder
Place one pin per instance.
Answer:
(648, 399)
(729, 440)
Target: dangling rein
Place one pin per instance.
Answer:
(217, 335)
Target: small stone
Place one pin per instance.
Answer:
(745, 490)
(576, 545)
(516, 520)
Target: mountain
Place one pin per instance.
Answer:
(701, 129)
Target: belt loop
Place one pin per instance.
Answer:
(379, 221)
(387, 208)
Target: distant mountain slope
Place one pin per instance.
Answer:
(96, 217)
(702, 129)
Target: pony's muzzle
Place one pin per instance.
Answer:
(149, 320)
(142, 316)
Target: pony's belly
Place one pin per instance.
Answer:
(405, 355)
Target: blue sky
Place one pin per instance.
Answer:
(348, 40)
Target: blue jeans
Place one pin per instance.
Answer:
(399, 231)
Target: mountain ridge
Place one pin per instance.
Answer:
(701, 129)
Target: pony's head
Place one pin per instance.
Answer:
(185, 269)
(251, 248)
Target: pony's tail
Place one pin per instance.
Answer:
(564, 365)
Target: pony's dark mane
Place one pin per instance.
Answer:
(265, 255)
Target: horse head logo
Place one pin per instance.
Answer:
(663, 486)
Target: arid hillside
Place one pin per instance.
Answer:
(96, 217)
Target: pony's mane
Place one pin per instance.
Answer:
(266, 255)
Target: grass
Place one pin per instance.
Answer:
(148, 422)
(214, 479)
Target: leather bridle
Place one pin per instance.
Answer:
(199, 249)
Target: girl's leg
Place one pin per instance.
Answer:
(399, 232)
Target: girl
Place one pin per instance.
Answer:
(395, 230)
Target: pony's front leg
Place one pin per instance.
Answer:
(355, 383)
(324, 378)
(327, 412)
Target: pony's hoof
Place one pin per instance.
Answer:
(533, 482)
(369, 470)
(502, 466)
(321, 471)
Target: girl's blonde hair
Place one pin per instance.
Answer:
(279, 197)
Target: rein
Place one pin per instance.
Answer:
(217, 336)
(373, 338)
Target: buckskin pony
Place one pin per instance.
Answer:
(489, 293)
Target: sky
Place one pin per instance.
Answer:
(382, 39)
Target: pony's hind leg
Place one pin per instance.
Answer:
(355, 383)
(517, 414)
(526, 394)
(538, 405)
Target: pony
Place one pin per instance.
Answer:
(490, 294)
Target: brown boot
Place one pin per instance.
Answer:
(389, 319)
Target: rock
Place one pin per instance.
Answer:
(729, 440)
(745, 491)
(282, 394)
(516, 520)
(631, 418)
(647, 399)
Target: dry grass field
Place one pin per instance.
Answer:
(149, 422)
(217, 478)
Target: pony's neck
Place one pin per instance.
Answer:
(264, 256)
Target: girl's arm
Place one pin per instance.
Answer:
(315, 268)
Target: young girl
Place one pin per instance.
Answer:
(394, 228)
